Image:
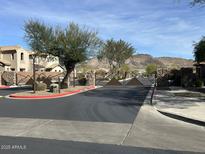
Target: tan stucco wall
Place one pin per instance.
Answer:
(8, 57)
(23, 64)
(17, 63)
(26, 63)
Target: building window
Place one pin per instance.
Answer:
(22, 56)
(30, 57)
(12, 56)
(22, 69)
(13, 69)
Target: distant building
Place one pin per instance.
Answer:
(48, 64)
(54, 68)
(15, 58)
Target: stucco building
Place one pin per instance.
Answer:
(15, 58)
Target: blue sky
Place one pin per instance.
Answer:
(156, 27)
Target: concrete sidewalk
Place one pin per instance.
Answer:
(189, 109)
(66, 130)
(154, 130)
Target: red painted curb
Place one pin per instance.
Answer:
(53, 95)
(4, 87)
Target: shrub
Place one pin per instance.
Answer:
(82, 81)
(101, 73)
(64, 85)
(199, 83)
(40, 86)
(119, 78)
(80, 76)
(151, 69)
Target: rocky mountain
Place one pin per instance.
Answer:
(140, 61)
(172, 62)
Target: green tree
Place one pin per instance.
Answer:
(124, 70)
(151, 69)
(84, 68)
(32, 31)
(134, 72)
(199, 50)
(200, 2)
(72, 45)
(116, 53)
(195, 2)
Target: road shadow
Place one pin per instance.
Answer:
(4, 92)
(42, 146)
(114, 104)
(123, 95)
(167, 100)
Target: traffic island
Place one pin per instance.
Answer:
(48, 95)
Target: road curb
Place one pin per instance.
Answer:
(181, 118)
(148, 97)
(53, 96)
(12, 87)
(7, 87)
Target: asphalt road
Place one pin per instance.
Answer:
(5, 92)
(44, 146)
(118, 105)
(100, 116)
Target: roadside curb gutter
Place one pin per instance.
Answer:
(181, 117)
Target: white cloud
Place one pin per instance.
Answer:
(162, 28)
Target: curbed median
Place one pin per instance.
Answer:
(52, 96)
(7, 87)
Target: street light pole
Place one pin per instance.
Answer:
(34, 74)
(154, 88)
(74, 77)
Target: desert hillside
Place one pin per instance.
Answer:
(171, 62)
(140, 61)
